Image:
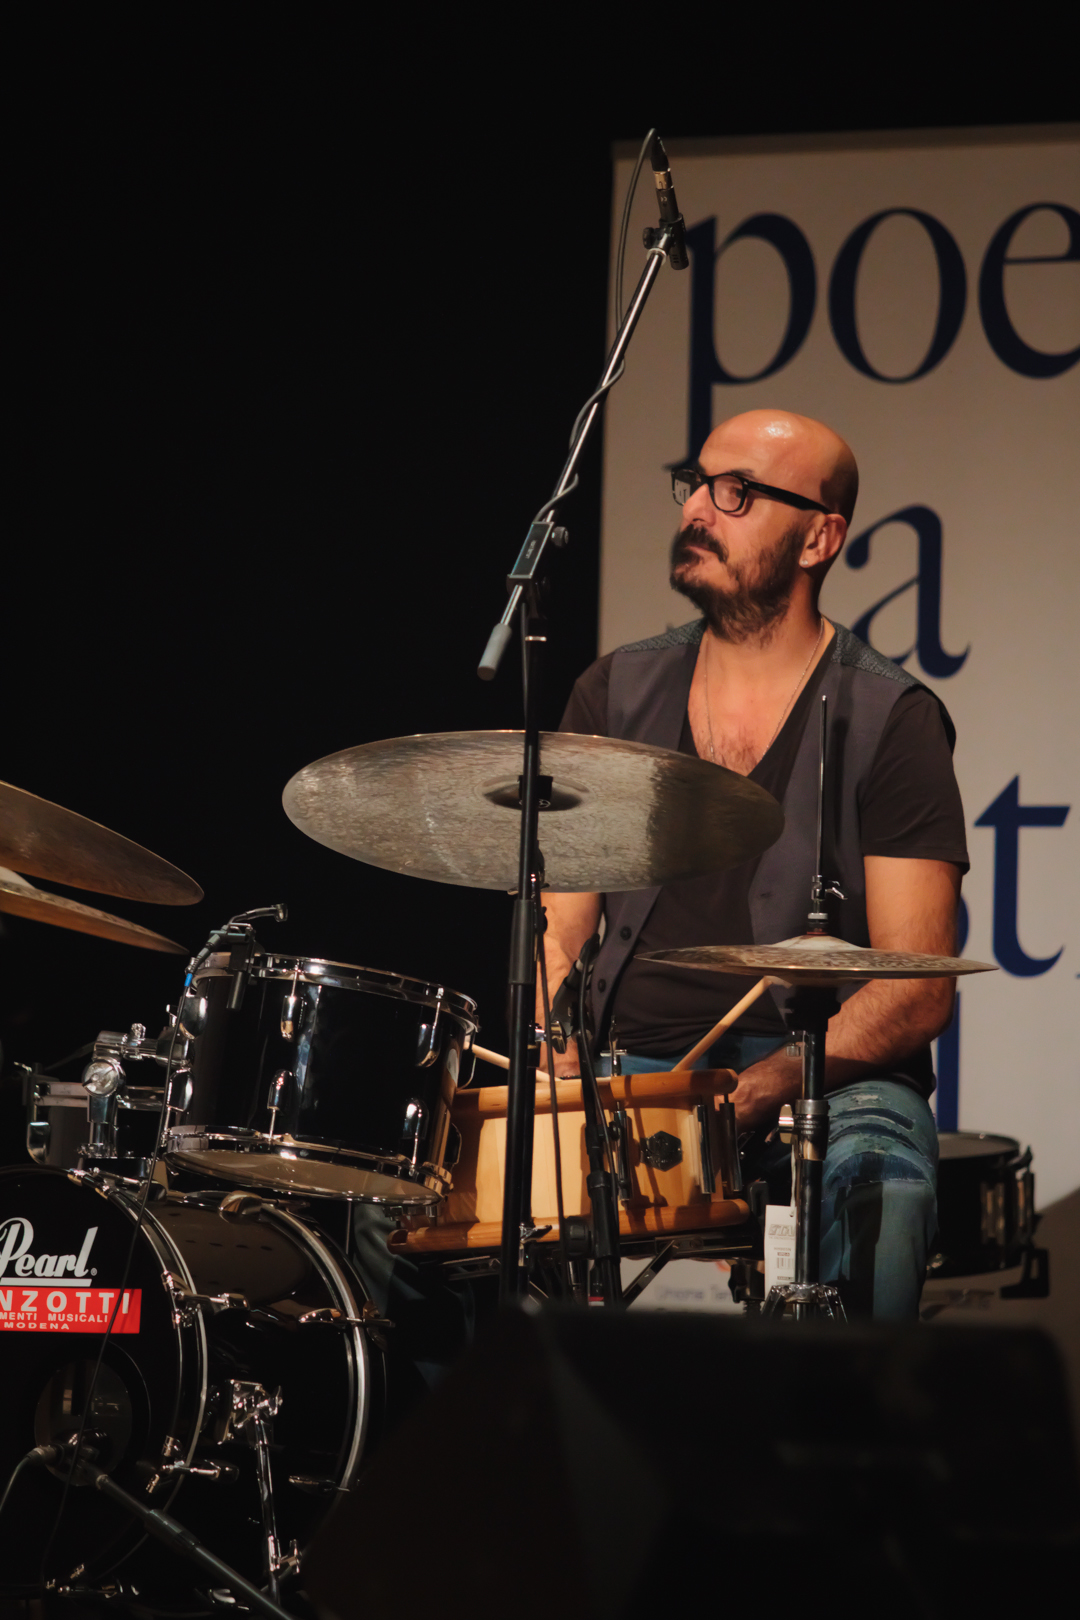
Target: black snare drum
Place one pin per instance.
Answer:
(986, 1204)
(328, 1079)
(162, 1411)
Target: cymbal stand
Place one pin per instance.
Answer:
(523, 582)
(810, 1011)
(808, 1014)
(600, 1182)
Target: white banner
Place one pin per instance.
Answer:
(921, 294)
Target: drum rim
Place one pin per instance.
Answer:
(996, 1145)
(422, 992)
(185, 1151)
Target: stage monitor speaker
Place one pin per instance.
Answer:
(620, 1466)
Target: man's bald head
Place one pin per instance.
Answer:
(791, 451)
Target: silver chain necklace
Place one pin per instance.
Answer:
(787, 705)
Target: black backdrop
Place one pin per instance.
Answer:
(296, 334)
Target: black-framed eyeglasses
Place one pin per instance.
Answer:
(729, 491)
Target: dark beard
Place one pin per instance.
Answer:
(756, 606)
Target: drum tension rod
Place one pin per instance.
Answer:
(369, 1319)
(185, 1304)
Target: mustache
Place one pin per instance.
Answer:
(694, 535)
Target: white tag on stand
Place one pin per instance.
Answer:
(779, 1245)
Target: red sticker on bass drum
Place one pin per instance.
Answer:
(68, 1310)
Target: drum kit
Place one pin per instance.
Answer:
(184, 1320)
(181, 1319)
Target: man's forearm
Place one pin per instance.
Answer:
(879, 1026)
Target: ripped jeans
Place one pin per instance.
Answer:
(879, 1198)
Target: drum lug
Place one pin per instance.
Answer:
(412, 1130)
(427, 1041)
(620, 1135)
(706, 1172)
(276, 1094)
(290, 1015)
(731, 1176)
(185, 1304)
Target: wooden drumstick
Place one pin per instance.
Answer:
(725, 1023)
(496, 1058)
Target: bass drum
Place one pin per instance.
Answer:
(172, 1372)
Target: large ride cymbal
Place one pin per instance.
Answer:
(23, 900)
(622, 815)
(48, 841)
(817, 959)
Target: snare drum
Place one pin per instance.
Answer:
(986, 1204)
(676, 1161)
(328, 1079)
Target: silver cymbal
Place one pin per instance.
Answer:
(445, 807)
(22, 899)
(817, 959)
(44, 839)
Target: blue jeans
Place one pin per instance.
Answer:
(879, 1195)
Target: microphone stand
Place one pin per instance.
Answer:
(808, 1014)
(523, 583)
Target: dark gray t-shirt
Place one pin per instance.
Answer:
(910, 809)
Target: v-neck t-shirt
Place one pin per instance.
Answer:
(909, 809)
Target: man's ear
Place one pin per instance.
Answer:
(824, 541)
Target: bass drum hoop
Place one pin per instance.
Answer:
(339, 1284)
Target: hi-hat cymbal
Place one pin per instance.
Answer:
(23, 900)
(622, 815)
(48, 841)
(817, 959)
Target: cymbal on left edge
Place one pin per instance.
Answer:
(22, 899)
(44, 839)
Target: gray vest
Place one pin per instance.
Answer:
(647, 697)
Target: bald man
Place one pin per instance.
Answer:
(765, 512)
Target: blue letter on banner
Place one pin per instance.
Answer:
(951, 300)
(705, 366)
(932, 655)
(1006, 815)
(1000, 331)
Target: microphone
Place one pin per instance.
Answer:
(669, 208)
(564, 1005)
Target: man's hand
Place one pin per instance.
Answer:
(910, 906)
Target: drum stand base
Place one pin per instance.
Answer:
(803, 1300)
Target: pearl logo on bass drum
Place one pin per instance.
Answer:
(16, 1239)
(68, 1309)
